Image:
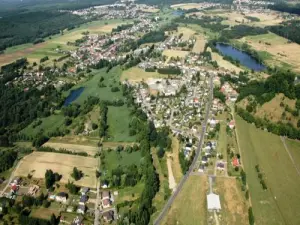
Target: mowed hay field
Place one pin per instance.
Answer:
(174, 53)
(281, 50)
(199, 45)
(187, 32)
(234, 209)
(136, 74)
(278, 204)
(38, 162)
(189, 207)
(273, 111)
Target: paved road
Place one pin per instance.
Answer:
(198, 153)
(11, 177)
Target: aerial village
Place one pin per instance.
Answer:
(178, 101)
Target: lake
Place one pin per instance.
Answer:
(244, 58)
(178, 13)
(74, 94)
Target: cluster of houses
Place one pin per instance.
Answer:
(106, 204)
(230, 93)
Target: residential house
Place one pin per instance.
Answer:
(204, 160)
(105, 195)
(108, 216)
(61, 197)
(81, 209)
(220, 166)
(231, 124)
(235, 162)
(106, 203)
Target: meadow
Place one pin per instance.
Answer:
(189, 207)
(279, 203)
(282, 51)
(136, 74)
(37, 163)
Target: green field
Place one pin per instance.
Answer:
(279, 204)
(111, 79)
(49, 124)
(118, 122)
(113, 159)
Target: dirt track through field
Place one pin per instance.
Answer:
(172, 183)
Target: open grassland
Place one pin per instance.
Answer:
(200, 44)
(294, 148)
(279, 203)
(234, 209)
(174, 53)
(38, 162)
(279, 48)
(187, 33)
(113, 159)
(129, 193)
(273, 111)
(76, 140)
(136, 74)
(186, 6)
(224, 63)
(118, 124)
(48, 48)
(189, 207)
(174, 159)
(49, 124)
(91, 150)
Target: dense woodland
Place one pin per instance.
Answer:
(33, 26)
(289, 30)
(285, 7)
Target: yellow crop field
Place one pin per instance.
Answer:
(38, 162)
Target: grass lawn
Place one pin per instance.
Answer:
(189, 207)
(49, 124)
(279, 204)
(113, 159)
(129, 193)
(118, 122)
(294, 148)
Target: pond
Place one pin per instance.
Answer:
(74, 94)
(244, 58)
(178, 13)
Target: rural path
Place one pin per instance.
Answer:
(239, 149)
(290, 155)
(172, 183)
(12, 176)
(167, 206)
(97, 211)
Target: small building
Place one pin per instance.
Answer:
(231, 124)
(213, 202)
(108, 216)
(235, 162)
(105, 195)
(81, 209)
(221, 166)
(204, 159)
(61, 197)
(106, 203)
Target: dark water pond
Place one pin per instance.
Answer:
(244, 58)
(74, 94)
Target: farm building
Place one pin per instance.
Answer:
(213, 202)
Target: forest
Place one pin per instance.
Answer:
(240, 31)
(289, 30)
(285, 7)
(32, 26)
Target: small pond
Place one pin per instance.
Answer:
(244, 58)
(74, 94)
